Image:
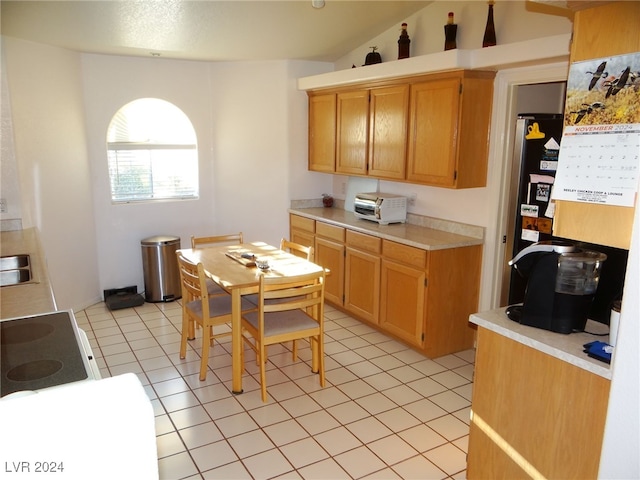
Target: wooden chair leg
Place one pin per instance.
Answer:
(263, 373)
(321, 360)
(191, 330)
(204, 361)
(183, 338)
(313, 342)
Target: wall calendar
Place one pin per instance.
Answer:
(599, 159)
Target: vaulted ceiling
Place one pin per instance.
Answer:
(207, 30)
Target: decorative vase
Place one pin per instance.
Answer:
(450, 31)
(373, 57)
(489, 39)
(403, 43)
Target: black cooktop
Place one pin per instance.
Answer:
(39, 352)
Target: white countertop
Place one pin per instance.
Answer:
(568, 348)
(91, 428)
(433, 235)
(28, 298)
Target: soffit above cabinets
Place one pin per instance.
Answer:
(519, 54)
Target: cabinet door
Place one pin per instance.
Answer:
(593, 38)
(453, 290)
(526, 398)
(352, 131)
(331, 255)
(322, 133)
(389, 116)
(301, 237)
(402, 294)
(362, 284)
(433, 132)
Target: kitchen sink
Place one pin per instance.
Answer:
(14, 270)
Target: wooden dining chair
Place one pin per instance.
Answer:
(201, 242)
(232, 238)
(289, 308)
(200, 308)
(293, 248)
(297, 249)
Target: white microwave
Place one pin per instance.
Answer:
(383, 208)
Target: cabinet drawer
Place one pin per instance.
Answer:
(364, 242)
(302, 223)
(415, 257)
(330, 231)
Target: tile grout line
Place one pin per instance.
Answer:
(288, 378)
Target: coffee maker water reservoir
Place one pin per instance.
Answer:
(561, 283)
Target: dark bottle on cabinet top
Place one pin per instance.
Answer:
(489, 39)
(403, 43)
(450, 31)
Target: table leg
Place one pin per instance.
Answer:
(236, 341)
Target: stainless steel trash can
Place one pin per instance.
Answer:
(160, 265)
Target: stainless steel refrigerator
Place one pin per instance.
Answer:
(535, 162)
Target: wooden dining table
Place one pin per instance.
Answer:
(239, 276)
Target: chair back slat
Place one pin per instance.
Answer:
(232, 238)
(193, 282)
(297, 249)
(291, 293)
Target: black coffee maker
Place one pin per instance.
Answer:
(561, 283)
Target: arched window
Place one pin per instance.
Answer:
(152, 153)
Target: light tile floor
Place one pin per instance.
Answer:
(387, 412)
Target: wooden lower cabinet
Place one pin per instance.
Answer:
(302, 230)
(421, 297)
(533, 415)
(453, 292)
(402, 310)
(362, 275)
(329, 244)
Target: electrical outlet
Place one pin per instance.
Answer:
(344, 188)
(412, 198)
(3, 205)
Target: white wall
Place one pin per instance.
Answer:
(247, 142)
(45, 92)
(109, 82)
(9, 178)
(251, 124)
(514, 20)
(620, 458)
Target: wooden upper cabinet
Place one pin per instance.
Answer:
(430, 129)
(606, 30)
(388, 119)
(434, 132)
(352, 132)
(449, 118)
(322, 132)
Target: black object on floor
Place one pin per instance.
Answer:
(127, 297)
